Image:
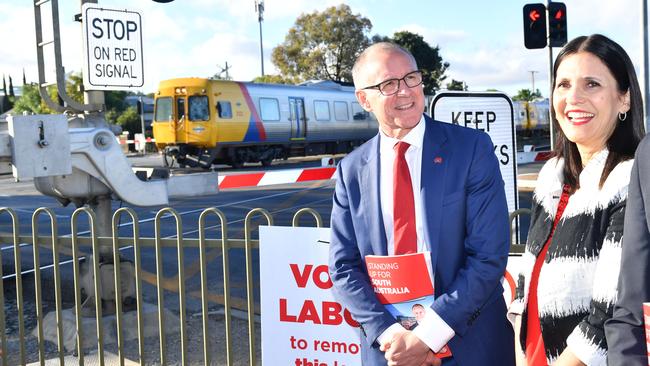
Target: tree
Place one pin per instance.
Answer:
(526, 95)
(130, 120)
(114, 100)
(456, 85)
(428, 59)
(11, 88)
(74, 87)
(31, 101)
(273, 79)
(323, 45)
(379, 38)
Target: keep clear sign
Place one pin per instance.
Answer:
(112, 48)
(491, 113)
(302, 324)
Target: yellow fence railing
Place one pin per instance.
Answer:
(91, 284)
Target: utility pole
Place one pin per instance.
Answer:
(259, 8)
(532, 78)
(225, 69)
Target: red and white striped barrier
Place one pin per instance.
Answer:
(527, 157)
(124, 142)
(275, 177)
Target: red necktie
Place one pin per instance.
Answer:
(404, 237)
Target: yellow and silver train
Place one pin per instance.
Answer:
(200, 122)
(531, 118)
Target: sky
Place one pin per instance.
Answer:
(483, 41)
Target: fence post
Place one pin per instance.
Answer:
(249, 277)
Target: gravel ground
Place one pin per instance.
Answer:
(194, 344)
(194, 332)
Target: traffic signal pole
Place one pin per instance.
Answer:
(550, 79)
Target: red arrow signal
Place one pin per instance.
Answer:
(559, 15)
(534, 15)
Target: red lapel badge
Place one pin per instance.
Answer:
(437, 160)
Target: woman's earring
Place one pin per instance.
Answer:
(622, 116)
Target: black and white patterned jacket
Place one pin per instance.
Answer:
(577, 287)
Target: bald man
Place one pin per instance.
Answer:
(455, 210)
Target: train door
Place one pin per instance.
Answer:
(297, 118)
(180, 119)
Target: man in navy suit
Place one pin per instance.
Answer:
(626, 339)
(460, 218)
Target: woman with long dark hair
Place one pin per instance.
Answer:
(568, 284)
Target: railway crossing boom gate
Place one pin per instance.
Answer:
(74, 156)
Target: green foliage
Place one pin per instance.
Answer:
(526, 95)
(31, 101)
(456, 85)
(272, 79)
(11, 88)
(114, 100)
(379, 38)
(111, 116)
(428, 58)
(323, 45)
(129, 120)
(74, 87)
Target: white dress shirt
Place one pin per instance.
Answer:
(432, 330)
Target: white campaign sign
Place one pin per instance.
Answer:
(302, 324)
(489, 112)
(112, 48)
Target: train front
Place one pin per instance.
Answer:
(181, 124)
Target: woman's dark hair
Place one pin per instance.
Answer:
(628, 133)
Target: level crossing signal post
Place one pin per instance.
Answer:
(546, 25)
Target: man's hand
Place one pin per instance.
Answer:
(406, 349)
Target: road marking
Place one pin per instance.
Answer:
(240, 220)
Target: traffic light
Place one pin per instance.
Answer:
(557, 24)
(535, 26)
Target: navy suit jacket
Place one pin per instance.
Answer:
(625, 334)
(465, 227)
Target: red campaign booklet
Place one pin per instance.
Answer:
(404, 285)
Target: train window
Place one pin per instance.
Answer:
(358, 114)
(199, 110)
(224, 109)
(163, 109)
(322, 110)
(341, 111)
(269, 109)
